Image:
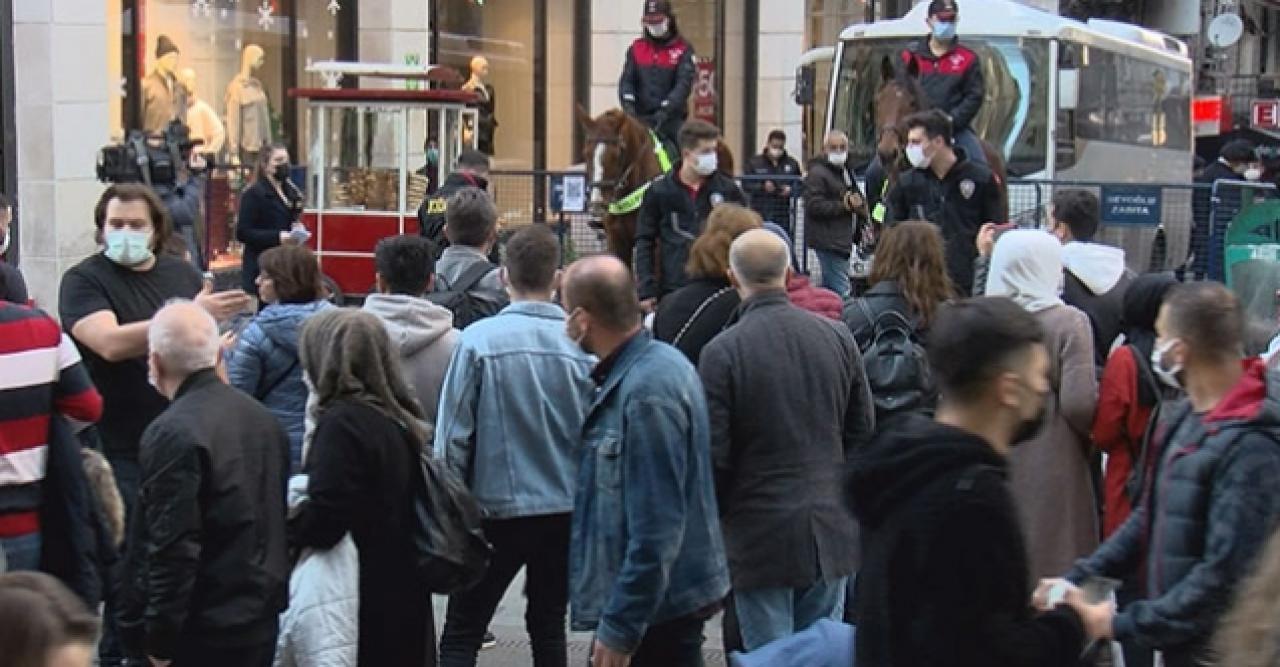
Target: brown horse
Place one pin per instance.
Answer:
(901, 95)
(621, 158)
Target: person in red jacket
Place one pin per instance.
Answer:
(659, 73)
(802, 293)
(1128, 393)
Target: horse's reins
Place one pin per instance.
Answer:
(630, 203)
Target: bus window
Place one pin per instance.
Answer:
(1014, 115)
(1130, 101)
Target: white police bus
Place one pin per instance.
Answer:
(1101, 101)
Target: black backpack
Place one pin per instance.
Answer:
(897, 366)
(463, 300)
(450, 552)
(1162, 400)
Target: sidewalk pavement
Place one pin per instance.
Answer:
(513, 642)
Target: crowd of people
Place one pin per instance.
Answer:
(924, 461)
(1008, 449)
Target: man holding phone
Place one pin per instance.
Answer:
(1211, 500)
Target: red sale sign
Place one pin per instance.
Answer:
(704, 91)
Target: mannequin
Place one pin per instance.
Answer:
(163, 99)
(202, 120)
(248, 110)
(485, 105)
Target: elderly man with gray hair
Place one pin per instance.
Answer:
(834, 210)
(790, 539)
(207, 566)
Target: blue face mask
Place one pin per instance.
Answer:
(433, 155)
(127, 247)
(944, 30)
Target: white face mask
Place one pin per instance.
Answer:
(1253, 174)
(838, 159)
(4, 245)
(1169, 375)
(658, 30)
(705, 163)
(916, 156)
(775, 153)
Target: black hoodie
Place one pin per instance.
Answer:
(944, 574)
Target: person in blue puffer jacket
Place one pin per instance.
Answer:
(264, 362)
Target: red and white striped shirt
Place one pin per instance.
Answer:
(40, 373)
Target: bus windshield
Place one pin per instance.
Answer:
(1014, 117)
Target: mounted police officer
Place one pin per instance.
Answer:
(951, 75)
(659, 73)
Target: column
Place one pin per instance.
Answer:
(781, 43)
(62, 89)
(614, 26)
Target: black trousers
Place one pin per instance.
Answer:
(200, 654)
(541, 545)
(676, 643)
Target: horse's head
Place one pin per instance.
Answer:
(608, 150)
(899, 96)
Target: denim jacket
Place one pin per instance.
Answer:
(646, 543)
(511, 411)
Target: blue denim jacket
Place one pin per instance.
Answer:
(646, 543)
(511, 411)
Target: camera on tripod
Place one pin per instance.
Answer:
(154, 159)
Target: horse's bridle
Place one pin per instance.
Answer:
(618, 185)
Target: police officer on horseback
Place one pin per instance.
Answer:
(950, 74)
(659, 73)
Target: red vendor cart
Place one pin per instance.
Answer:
(366, 170)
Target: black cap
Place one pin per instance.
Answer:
(1238, 150)
(165, 46)
(944, 7)
(656, 10)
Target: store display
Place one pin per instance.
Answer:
(248, 109)
(202, 121)
(486, 105)
(373, 189)
(163, 98)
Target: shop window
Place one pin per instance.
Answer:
(223, 67)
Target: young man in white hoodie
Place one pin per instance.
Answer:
(422, 331)
(1095, 276)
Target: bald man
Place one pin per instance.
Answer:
(790, 539)
(207, 567)
(834, 211)
(647, 558)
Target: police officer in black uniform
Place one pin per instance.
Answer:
(947, 189)
(471, 171)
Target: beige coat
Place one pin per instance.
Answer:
(1050, 474)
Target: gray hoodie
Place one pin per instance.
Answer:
(423, 333)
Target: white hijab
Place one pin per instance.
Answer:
(1026, 266)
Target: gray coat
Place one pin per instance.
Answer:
(1050, 474)
(789, 403)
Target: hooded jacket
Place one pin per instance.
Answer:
(944, 575)
(1203, 519)
(265, 365)
(817, 300)
(1095, 282)
(423, 333)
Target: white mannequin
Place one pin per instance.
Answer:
(248, 109)
(163, 99)
(478, 83)
(201, 118)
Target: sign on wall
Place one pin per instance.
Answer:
(1131, 205)
(1265, 114)
(704, 91)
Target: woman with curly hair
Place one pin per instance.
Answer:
(691, 316)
